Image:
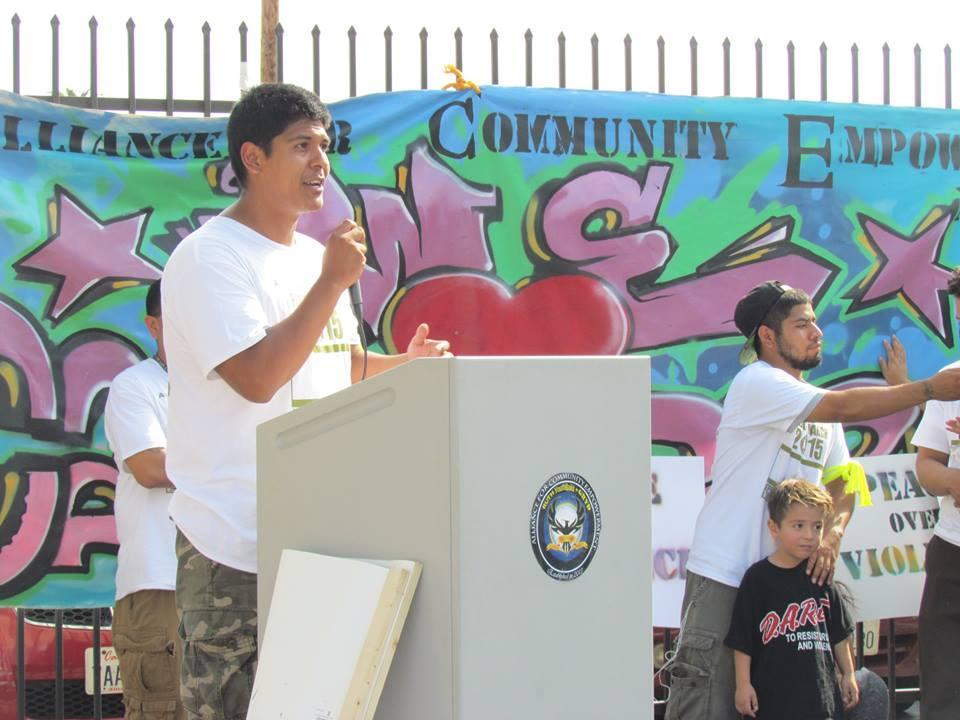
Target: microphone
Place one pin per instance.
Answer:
(356, 302)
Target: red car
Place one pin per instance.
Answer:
(40, 665)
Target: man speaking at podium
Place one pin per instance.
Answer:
(257, 318)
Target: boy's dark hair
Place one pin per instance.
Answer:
(265, 111)
(794, 491)
(153, 299)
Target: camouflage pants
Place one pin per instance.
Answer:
(218, 625)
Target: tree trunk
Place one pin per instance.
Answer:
(269, 17)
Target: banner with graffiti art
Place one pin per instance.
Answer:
(518, 221)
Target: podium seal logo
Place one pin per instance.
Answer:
(565, 526)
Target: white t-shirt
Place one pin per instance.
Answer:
(933, 435)
(762, 438)
(223, 287)
(135, 420)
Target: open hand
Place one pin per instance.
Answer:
(422, 346)
(822, 563)
(894, 365)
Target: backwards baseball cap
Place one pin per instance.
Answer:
(752, 310)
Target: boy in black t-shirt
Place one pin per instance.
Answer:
(788, 633)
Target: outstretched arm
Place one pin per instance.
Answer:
(420, 346)
(866, 403)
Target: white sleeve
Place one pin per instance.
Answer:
(771, 398)
(214, 303)
(131, 422)
(931, 433)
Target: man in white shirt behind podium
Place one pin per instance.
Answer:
(257, 320)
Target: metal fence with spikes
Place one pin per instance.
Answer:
(207, 105)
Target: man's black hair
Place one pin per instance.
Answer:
(153, 299)
(266, 111)
(780, 311)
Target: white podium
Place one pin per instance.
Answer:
(523, 486)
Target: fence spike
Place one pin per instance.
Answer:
(886, 73)
(388, 59)
(93, 24)
(315, 57)
(661, 65)
(758, 55)
(168, 101)
(823, 71)
(458, 47)
(595, 60)
(528, 55)
(15, 22)
(131, 68)
(791, 70)
(55, 41)
(352, 59)
(279, 32)
(726, 66)
(916, 75)
(948, 76)
(562, 59)
(207, 101)
(627, 62)
(494, 57)
(423, 58)
(693, 66)
(855, 73)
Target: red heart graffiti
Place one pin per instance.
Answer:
(561, 315)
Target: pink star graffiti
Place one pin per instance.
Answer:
(906, 268)
(87, 256)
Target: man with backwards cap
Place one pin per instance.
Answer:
(774, 425)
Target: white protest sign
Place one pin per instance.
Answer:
(677, 499)
(883, 550)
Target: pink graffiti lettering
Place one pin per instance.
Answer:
(628, 244)
(21, 343)
(88, 369)
(629, 250)
(41, 493)
(81, 530)
(450, 229)
(688, 422)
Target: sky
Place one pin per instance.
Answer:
(839, 23)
